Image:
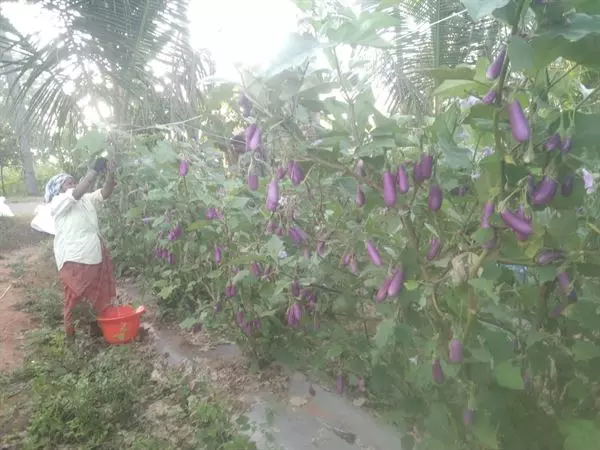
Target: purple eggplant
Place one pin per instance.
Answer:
(339, 384)
(297, 234)
(402, 180)
(252, 182)
(417, 173)
(239, 317)
(553, 142)
(488, 210)
(353, 266)
(566, 188)
(381, 294)
(183, 168)
(492, 242)
(460, 191)
(255, 269)
(493, 71)
(297, 311)
(360, 168)
(320, 248)
(253, 137)
(566, 145)
(295, 173)
(455, 351)
(516, 223)
(230, 290)
(518, 122)
(295, 288)
(489, 98)
(346, 259)
(272, 195)
(396, 283)
(218, 255)
(294, 235)
(271, 226)
(435, 246)
(373, 253)
(436, 198)
(389, 189)
(544, 192)
(564, 282)
(245, 104)
(292, 320)
(546, 257)
(468, 416)
(436, 371)
(360, 197)
(426, 166)
(280, 173)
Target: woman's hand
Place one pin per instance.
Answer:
(112, 166)
(100, 165)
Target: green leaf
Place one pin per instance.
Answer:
(486, 286)
(166, 292)
(486, 433)
(587, 131)
(274, 247)
(509, 376)
(581, 435)
(480, 8)
(520, 53)
(583, 351)
(297, 48)
(163, 153)
(576, 27)
(188, 323)
(458, 88)
(93, 140)
(385, 330)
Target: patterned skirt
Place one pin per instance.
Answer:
(94, 283)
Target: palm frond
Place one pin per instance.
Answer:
(104, 51)
(444, 37)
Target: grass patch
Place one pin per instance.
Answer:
(83, 394)
(16, 233)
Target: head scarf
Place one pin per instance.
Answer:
(54, 186)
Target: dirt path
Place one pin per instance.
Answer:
(13, 323)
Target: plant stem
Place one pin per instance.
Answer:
(499, 89)
(583, 100)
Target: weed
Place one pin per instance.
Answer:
(85, 394)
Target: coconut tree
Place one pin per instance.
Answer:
(105, 51)
(436, 34)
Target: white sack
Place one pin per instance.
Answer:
(43, 220)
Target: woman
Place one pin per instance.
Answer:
(81, 256)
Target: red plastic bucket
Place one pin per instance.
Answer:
(120, 324)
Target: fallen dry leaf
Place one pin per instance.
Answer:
(359, 401)
(298, 401)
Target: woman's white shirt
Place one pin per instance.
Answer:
(77, 230)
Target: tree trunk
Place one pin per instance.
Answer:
(18, 119)
(2, 180)
(28, 165)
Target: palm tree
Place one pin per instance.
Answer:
(445, 37)
(104, 51)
